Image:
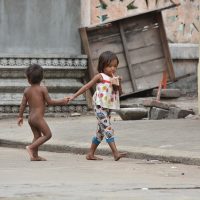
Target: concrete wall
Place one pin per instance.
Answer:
(185, 61)
(85, 12)
(43, 32)
(62, 76)
(182, 22)
(40, 26)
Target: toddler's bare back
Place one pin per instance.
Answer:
(35, 95)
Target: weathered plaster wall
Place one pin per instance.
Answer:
(43, 32)
(40, 26)
(182, 23)
(185, 61)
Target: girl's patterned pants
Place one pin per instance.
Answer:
(104, 126)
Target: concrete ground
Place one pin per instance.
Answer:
(167, 140)
(183, 102)
(69, 176)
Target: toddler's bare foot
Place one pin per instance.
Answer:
(42, 159)
(92, 157)
(120, 155)
(30, 152)
(38, 158)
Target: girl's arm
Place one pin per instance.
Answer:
(53, 102)
(21, 109)
(97, 78)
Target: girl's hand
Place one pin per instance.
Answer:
(69, 98)
(66, 100)
(20, 121)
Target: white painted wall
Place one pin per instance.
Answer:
(85, 12)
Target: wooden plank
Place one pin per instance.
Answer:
(149, 68)
(146, 54)
(143, 39)
(124, 73)
(127, 87)
(149, 82)
(113, 44)
(95, 64)
(143, 70)
(138, 23)
(103, 32)
(86, 48)
(165, 46)
(134, 86)
(122, 61)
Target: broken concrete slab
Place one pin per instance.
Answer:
(132, 113)
(177, 113)
(154, 103)
(159, 110)
(158, 113)
(173, 113)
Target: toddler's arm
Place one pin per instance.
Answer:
(50, 101)
(21, 110)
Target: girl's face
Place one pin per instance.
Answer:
(111, 68)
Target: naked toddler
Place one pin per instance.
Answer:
(37, 97)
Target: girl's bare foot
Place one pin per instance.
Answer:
(92, 157)
(120, 155)
(38, 158)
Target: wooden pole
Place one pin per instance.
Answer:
(198, 77)
(165, 46)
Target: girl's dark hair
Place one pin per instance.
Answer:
(34, 73)
(105, 59)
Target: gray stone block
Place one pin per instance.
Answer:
(132, 113)
(177, 113)
(158, 113)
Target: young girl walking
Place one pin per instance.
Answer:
(105, 99)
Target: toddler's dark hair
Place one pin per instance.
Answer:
(105, 59)
(34, 73)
